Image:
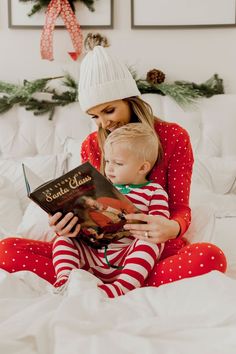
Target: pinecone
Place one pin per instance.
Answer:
(155, 77)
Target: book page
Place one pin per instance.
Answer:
(32, 181)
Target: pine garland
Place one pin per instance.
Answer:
(183, 92)
(24, 95)
(41, 4)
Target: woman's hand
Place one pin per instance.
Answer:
(65, 225)
(155, 229)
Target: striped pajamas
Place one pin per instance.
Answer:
(137, 257)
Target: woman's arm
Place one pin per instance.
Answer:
(179, 171)
(174, 173)
(158, 228)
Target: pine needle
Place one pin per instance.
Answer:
(183, 95)
(39, 5)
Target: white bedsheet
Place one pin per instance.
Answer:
(190, 316)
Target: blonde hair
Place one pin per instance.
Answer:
(138, 138)
(141, 112)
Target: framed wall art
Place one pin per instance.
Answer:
(182, 13)
(102, 17)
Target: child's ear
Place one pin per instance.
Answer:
(145, 168)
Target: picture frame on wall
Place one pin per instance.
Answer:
(182, 13)
(102, 17)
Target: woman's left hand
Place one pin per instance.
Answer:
(155, 229)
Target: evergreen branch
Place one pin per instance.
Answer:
(23, 95)
(41, 4)
(35, 8)
(5, 106)
(40, 107)
(89, 4)
(70, 82)
(145, 87)
(29, 88)
(183, 95)
(8, 88)
(213, 86)
(38, 6)
(65, 98)
(51, 113)
(183, 92)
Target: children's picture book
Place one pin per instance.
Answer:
(85, 192)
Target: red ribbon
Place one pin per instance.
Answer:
(63, 8)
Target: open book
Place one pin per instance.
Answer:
(85, 192)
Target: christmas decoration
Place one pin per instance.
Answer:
(93, 40)
(25, 95)
(182, 92)
(155, 76)
(62, 8)
(41, 4)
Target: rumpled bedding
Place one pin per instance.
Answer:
(195, 315)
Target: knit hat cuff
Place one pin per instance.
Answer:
(106, 92)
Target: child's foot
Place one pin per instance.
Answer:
(112, 290)
(61, 281)
(60, 284)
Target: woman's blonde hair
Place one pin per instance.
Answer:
(141, 112)
(138, 138)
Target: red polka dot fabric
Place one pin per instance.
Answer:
(18, 254)
(190, 261)
(36, 256)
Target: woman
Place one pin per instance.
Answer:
(109, 94)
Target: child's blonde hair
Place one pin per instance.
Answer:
(138, 138)
(141, 112)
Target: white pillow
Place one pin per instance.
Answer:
(10, 209)
(45, 166)
(216, 173)
(34, 224)
(214, 220)
(73, 148)
(218, 126)
(167, 109)
(202, 225)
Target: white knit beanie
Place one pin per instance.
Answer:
(103, 79)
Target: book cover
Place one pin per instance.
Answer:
(85, 192)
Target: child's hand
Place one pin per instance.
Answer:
(65, 226)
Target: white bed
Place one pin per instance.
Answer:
(189, 316)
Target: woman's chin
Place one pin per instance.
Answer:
(114, 127)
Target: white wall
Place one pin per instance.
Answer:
(184, 54)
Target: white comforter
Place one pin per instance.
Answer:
(190, 316)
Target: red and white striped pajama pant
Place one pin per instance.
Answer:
(136, 258)
(180, 261)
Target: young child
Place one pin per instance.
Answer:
(130, 153)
